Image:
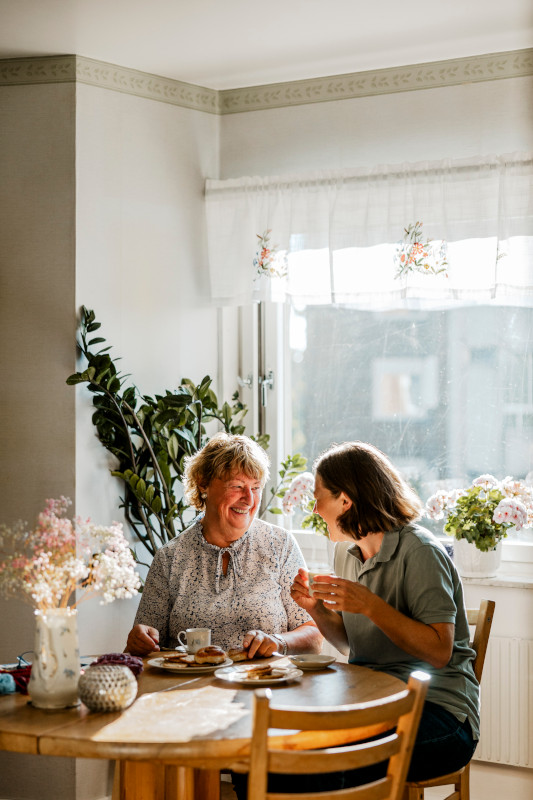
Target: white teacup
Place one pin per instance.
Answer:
(313, 574)
(195, 638)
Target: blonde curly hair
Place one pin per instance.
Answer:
(223, 455)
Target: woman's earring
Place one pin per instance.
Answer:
(203, 495)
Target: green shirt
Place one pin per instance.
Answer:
(414, 574)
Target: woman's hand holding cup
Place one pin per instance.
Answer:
(302, 591)
(314, 577)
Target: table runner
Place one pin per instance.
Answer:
(176, 716)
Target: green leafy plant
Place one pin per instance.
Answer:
(150, 436)
(292, 466)
(314, 521)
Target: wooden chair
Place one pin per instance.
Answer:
(481, 619)
(401, 711)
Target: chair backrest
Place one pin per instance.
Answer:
(481, 618)
(394, 719)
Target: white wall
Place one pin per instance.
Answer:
(431, 124)
(141, 265)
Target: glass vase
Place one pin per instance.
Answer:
(56, 663)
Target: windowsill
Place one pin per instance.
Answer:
(517, 551)
(516, 570)
(504, 579)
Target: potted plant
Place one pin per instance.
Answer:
(150, 437)
(479, 517)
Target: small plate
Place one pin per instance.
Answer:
(310, 661)
(192, 670)
(239, 675)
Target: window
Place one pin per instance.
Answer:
(447, 394)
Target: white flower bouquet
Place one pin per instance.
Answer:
(300, 495)
(46, 566)
(483, 513)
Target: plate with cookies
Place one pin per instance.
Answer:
(256, 675)
(206, 659)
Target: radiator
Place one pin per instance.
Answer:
(507, 703)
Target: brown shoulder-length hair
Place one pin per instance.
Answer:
(381, 499)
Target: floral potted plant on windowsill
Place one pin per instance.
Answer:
(479, 517)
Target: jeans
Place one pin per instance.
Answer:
(443, 744)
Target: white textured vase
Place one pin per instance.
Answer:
(56, 663)
(474, 563)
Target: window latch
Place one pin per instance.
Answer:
(266, 382)
(248, 381)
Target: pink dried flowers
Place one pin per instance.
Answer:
(58, 559)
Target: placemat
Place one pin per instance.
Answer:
(176, 716)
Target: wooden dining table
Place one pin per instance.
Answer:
(152, 765)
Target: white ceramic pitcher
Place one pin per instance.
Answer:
(56, 663)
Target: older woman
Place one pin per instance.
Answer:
(396, 601)
(229, 571)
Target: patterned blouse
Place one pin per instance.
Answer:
(186, 588)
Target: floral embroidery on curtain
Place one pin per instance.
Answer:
(337, 235)
(414, 254)
(269, 261)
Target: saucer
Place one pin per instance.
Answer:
(310, 661)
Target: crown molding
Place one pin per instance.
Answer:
(142, 84)
(436, 74)
(46, 69)
(78, 69)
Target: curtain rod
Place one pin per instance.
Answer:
(383, 171)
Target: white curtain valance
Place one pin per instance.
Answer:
(340, 233)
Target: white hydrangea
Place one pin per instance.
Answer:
(299, 492)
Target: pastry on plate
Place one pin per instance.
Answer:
(210, 655)
(257, 673)
(238, 654)
(179, 659)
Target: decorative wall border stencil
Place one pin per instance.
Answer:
(71, 68)
(67, 69)
(490, 67)
(142, 84)
(49, 69)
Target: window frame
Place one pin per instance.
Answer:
(274, 318)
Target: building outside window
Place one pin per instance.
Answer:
(447, 394)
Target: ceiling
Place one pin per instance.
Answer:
(226, 44)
